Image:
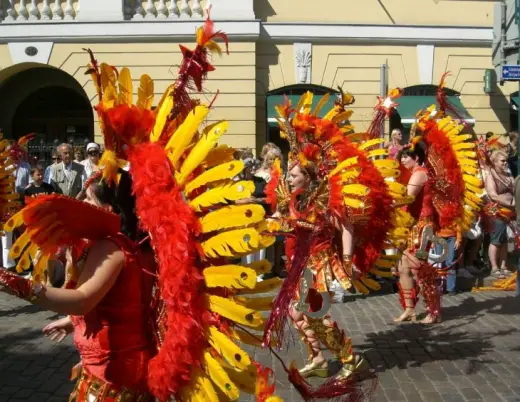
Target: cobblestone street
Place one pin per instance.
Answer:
(474, 355)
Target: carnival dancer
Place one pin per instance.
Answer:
(175, 236)
(338, 213)
(442, 165)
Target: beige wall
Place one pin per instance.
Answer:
(5, 57)
(399, 12)
(234, 77)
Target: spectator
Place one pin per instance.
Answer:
(395, 143)
(454, 238)
(38, 186)
(67, 177)
(22, 171)
(499, 188)
(79, 154)
(471, 243)
(517, 209)
(93, 156)
(56, 158)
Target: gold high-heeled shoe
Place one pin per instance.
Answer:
(315, 370)
(349, 369)
(408, 315)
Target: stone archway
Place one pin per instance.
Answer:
(37, 98)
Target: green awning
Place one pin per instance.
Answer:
(515, 100)
(274, 100)
(410, 105)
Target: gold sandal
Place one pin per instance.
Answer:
(315, 370)
(350, 369)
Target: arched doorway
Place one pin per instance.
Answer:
(40, 99)
(293, 92)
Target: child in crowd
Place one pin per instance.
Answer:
(38, 186)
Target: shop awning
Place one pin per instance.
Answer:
(410, 105)
(274, 100)
(516, 100)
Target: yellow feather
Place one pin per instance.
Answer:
(342, 116)
(125, 87)
(219, 155)
(260, 267)
(370, 283)
(245, 380)
(224, 171)
(386, 164)
(223, 194)
(234, 216)
(356, 137)
(163, 110)
(400, 232)
(377, 152)
(347, 163)
(213, 47)
(390, 173)
(234, 243)
(466, 155)
(324, 99)
(41, 268)
(184, 135)
(228, 349)
(468, 162)
(219, 377)
(477, 191)
(397, 188)
(472, 180)
(108, 76)
(463, 145)
(371, 143)
(475, 206)
(244, 337)
(14, 222)
(469, 170)
(145, 92)
(305, 103)
(355, 189)
(109, 96)
(232, 311)
(20, 245)
(360, 287)
(381, 274)
(333, 113)
(200, 388)
(263, 287)
(460, 138)
(255, 303)
(384, 263)
(472, 197)
(230, 276)
(353, 203)
(350, 174)
(208, 140)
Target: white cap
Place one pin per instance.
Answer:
(93, 145)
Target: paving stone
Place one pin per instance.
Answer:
(394, 395)
(431, 397)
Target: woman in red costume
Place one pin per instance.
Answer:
(157, 312)
(442, 165)
(422, 211)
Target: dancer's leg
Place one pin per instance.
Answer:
(317, 365)
(427, 278)
(407, 289)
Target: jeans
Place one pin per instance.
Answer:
(451, 277)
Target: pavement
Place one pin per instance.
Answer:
(473, 355)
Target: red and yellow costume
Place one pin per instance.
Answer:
(449, 199)
(182, 340)
(353, 186)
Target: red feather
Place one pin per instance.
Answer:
(173, 227)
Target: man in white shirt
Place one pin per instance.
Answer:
(67, 177)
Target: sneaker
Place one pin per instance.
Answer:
(464, 273)
(473, 270)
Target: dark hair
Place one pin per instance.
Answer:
(121, 199)
(418, 153)
(37, 168)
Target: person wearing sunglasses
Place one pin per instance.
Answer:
(56, 158)
(93, 156)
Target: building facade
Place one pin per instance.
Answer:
(276, 47)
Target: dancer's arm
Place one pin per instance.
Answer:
(104, 262)
(417, 182)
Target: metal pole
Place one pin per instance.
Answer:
(383, 92)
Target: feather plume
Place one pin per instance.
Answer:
(208, 140)
(234, 216)
(125, 87)
(324, 99)
(200, 388)
(230, 276)
(183, 136)
(108, 76)
(223, 194)
(234, 312)
(256, 303)
(244, 379)
(145, 92)
(163, 110)
(235, 242)
(219, 377)
(224, 171)
(225, 347)
(219, 155)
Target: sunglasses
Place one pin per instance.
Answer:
(56, 159)
(93, 153)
